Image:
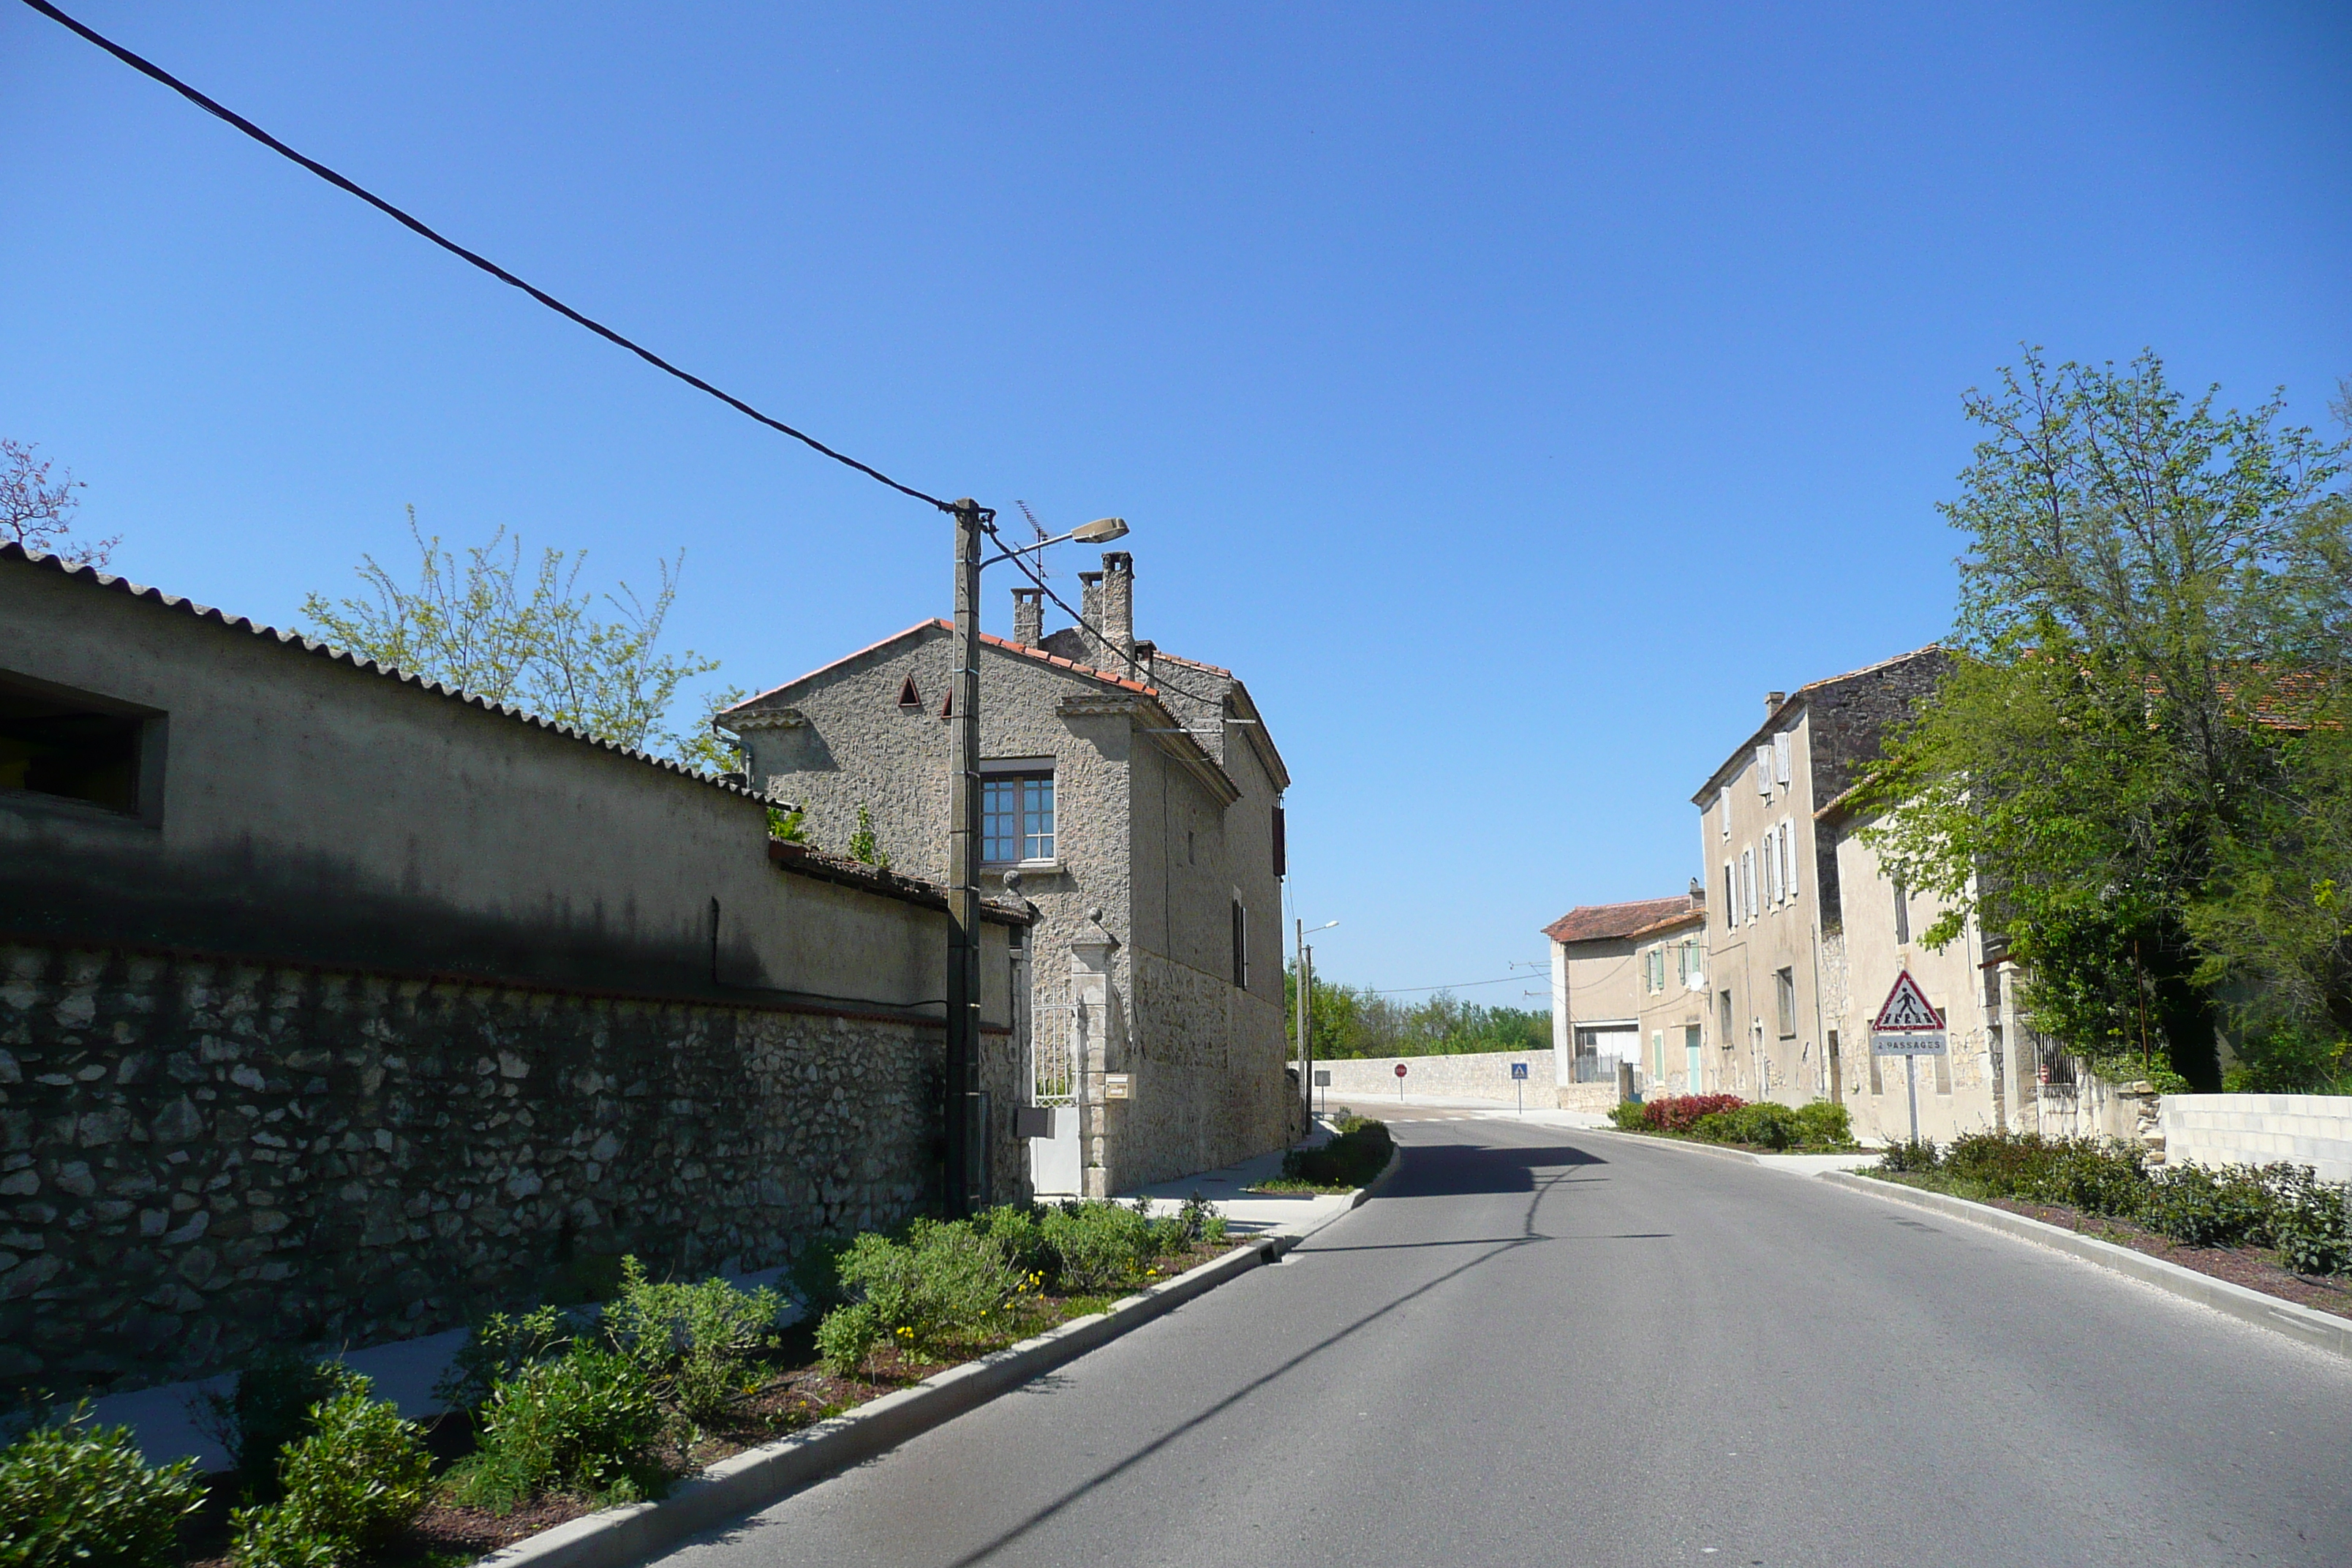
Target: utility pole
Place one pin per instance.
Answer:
(1298, 945)
(1307, 1025)
(963, 864)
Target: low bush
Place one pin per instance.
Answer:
(1100, 1245)
(76, 1495)
(1358, 1154)
(590, 1421)
(498, 1349)
(2311, 1223)
(1825, 1123)
(1628, 1115)
(1919, 1157)
(2198, 1207)
(1763, 1123)
(346, 1490)
(697, 1341)
(274, 1402)
(1681, 1112)
(939, 1283)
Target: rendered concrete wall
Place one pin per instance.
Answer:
(1486, 1075)
(2313, 1130)
(199, 1159)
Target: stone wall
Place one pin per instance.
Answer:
(198, 1158)
(2313, 1130)
(1486, 1075)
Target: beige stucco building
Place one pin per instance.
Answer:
(1599, 990)
(1780, 1024)
(1134, 799)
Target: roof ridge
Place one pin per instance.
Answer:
(184, 605)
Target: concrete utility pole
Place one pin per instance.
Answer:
(963, 867)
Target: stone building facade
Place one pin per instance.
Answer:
(1134, 799)
(1600, 992)
(339, 1007)
(1775, 923)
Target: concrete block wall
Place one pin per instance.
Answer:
(2313, 1130)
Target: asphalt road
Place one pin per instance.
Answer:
(1551, 1347)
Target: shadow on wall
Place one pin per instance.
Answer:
(1454, 1170)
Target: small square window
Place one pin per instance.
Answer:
(56, 743)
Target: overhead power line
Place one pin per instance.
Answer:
(1459, 985)
(148, 67)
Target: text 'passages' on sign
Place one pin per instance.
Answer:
(1906, 1009)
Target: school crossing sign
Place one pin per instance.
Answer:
(1908, 1024)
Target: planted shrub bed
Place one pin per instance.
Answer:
(1726, 1119)
(1358, 1152)
(2276, 1228)
(561, 1411)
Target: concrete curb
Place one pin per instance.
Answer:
(2322, 1330)
(750, 1481)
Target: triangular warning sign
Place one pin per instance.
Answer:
(1905, 1010)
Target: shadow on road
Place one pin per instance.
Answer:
(1454, 1170)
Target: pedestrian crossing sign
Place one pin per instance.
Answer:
(1906, 1010)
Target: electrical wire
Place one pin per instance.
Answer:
(1148, 676)
(147, 68)
(1464, 985)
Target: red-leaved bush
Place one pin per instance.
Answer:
(1675, 1113)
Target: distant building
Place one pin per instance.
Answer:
(1598, 985)
(1135, 798)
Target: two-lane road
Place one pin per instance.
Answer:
(1550, 1347)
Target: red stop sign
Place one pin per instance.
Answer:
(1399, 1069)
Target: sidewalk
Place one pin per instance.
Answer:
(1288, 1214)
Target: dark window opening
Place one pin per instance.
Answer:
(1240, 946)
(909, 697)
(1784, 991)
(1281, 848)
(52, 745)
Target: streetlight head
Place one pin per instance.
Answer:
(1102, 530)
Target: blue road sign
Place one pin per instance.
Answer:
(1518, 1070)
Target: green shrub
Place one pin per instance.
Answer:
(847, 1336)
(697, 1341)
(273, 1403)
(2198, 1207)
(1825, 1122)
(1763, 1123)
(500, 1349)
(1019, 1232)
(590, 1420)
(816, 1273)
(1099, 1245)
(348, 1489)
(944, 1280)
(1630, 1115)
(1352, 1159)
(77, 1495)
(2088, 1173)
(2312, 1222)
(1919, 1156)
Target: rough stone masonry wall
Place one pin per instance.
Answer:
(1485, 1075)
(198, 1159)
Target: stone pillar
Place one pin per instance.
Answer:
(1093, 1016)
(1028, 616)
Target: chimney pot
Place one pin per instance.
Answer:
(1117, 621)
(1772, 700)
(1028, 616)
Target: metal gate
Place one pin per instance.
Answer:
(1057, 1035)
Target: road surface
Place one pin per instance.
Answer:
(1542, 1346)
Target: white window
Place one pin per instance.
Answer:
(1690, 963)
(1780, 758)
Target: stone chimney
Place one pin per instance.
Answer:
(1090, 598)
(1772, 700)
(1028, 616)
(1118, 620)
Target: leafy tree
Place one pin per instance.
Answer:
(1347, 1021)
(36, 512)
(2154, 590)
(534, 639)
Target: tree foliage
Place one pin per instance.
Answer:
(531, 638)
(1348, 1020)
(37, 511)
(2153, 622)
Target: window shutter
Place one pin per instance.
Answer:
(1764, 771)
(1780, 758)
(1788, 857)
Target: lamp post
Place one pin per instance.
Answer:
(973, 522)
(1307, 1015)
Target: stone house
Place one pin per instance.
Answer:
(1598, 988)
(1782, 1014)
(336, 1007)
(1134, 799)
(1670, 966)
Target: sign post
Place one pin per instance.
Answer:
(1519, 1082)
(1909, 1027)
(1399, 1083)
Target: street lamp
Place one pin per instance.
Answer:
(973, 522)
(1307, 1013)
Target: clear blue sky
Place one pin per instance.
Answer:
(1511, 394)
